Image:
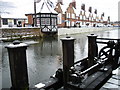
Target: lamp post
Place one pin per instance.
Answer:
(35, 18)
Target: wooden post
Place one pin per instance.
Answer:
(18, 65)
(68, 58)
(92, 49)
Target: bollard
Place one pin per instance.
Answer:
(68, 58)
(18, 65)
(92, 49)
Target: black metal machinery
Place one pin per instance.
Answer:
(95, 76)
(89, 73)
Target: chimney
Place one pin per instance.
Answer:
(74, 3)
(60, 1)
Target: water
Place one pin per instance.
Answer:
(45, 57)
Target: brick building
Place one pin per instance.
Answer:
(72, 15)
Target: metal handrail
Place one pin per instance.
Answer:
(107, 39)
(101, 42)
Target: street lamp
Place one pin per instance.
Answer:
(35, 20)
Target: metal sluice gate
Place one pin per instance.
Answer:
(89, 73)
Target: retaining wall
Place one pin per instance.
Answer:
(64, 31)
(19, 33)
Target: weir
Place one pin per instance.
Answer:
(89, 73)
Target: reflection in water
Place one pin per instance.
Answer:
(80, 47)
(42, 60)
(6, 80)
(45, 57)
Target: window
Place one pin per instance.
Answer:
(68, 23)
(59, 18)
(53, 15)
(81, 17)
(76, 17)
(53, 21)
(42, 21)
(37, 15)
(5, 21)
(47, 15)
(45, 21)
(43, 15)
(73, 23)
(68, 15)
(73, 16)
(38, 21)
(84, 18)
(15, 21)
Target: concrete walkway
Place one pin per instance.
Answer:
(114, 82)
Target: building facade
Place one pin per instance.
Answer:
(13, 22)
(72, 15)
(78, 15)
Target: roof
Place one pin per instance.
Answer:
(64, 7)
(14, 16)
(46, 7)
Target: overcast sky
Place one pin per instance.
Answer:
(109, 7)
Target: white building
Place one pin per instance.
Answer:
(9, 20)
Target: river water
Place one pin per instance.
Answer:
(45, 56)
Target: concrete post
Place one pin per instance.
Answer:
(18, 65)
(92, 49)
(68, 58)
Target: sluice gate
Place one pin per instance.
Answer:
(89, 73)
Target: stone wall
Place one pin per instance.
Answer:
(14, 33)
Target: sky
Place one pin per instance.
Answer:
(19, 8)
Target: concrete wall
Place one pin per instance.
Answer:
(64, 31)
